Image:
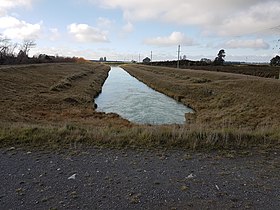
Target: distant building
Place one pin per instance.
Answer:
(46, 57)
(146, 60)
(102, 59)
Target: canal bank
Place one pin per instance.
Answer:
(220, 100)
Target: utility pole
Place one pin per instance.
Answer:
(178, 62)
(151, 57)
(139, 58)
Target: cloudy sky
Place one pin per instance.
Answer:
(248, 30)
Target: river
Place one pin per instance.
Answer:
(136, 102)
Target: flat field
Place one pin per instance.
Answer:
(247, 69)
(254, 70)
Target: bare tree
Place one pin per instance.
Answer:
(4, 46)
(27, 45)
(7, 50)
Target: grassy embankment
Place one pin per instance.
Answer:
(47, 103)
(50, 105)
(240, 107)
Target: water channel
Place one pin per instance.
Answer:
(136, 102)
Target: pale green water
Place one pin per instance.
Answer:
(136, 102)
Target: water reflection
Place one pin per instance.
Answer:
(135, 101)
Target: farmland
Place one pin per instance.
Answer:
(247, 69)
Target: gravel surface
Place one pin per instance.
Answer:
(138, 179)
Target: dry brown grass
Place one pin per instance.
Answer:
(78, 135)
(264, 70)
(255, 70)
(51, 93)
(221, 100)
(51, 105)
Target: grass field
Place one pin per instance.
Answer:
(247, 69)
(51, 105)
(254, 70)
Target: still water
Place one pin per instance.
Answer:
(136, 102)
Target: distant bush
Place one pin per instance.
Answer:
(275, 61)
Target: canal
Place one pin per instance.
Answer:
(136, 102)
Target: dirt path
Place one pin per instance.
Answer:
(138, 179)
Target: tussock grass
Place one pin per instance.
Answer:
(63, 84)
(73, 136)
(66, 82)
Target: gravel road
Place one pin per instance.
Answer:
(95, 178)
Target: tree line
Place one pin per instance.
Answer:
(218, 61)
(14, 53)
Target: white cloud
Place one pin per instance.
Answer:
(256, 18)
(86, 33)
(175, 38)
(252, 44)
(231, 17)
(104, 22)
(6, 5)
(127, 28)
(13, 28)
(9, 22)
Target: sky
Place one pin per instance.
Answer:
(248, 30)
